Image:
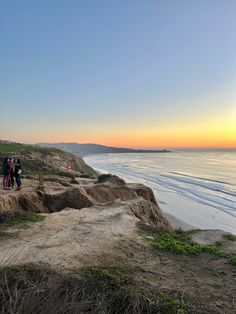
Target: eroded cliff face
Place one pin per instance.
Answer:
(83, 221)
(54, 197)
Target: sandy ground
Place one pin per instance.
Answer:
(105, 234)
(66, 238)
(73, 238)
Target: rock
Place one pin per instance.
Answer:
(213, 236)
(71, 197)
(12, 203)
(144, 191)
(108, 188)
(55, 196)
(149, 213)
(109, 178)
(206, 237)
(108, 192)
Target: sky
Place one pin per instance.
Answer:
(125, 73)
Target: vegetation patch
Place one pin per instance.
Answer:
(173, 304)
(232, 260)
(177, 242)
(229, 237)
(11, 147)
(46, 160)
(104, 177)
(22, 218)
(74, 181)
(38, 289)
(107, 177)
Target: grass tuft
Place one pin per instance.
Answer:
(232, 260)
(22, 218)
(177, 242)
(114, 276)
(229, 237)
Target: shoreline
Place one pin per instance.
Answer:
(180, 186)
(177, 223)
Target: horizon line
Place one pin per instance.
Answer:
(130, 147)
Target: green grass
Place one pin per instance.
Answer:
(11, 148)
(22, 218)
(19, 148)
(177, 242)
(229, 237)
(232, 260)
(114, 275)
(33, 159)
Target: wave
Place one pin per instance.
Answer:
(219, 186)
(218, 194)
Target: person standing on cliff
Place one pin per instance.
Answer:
(6, 173)
(17, 174)
(12, 170)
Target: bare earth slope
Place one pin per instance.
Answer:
(97, 223)
(108, 211)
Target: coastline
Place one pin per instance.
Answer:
(177, 223)
(197, 189)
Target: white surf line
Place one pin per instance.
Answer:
(211, 186)
(199, 197)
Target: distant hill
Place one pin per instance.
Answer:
(49, 160)
(90, 149)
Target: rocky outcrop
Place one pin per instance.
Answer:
(109, 188)
(73, 197)
(143, 191)
(25, 201)
(148, 213)
(104, 193)
(83, 222)
(56, 196)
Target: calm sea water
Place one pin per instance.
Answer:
(198, 187)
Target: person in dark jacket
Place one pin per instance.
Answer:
(17, 174)
(6, 173)
(12, 170)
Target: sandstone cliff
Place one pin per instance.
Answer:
(84, 220)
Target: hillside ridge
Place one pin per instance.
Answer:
(46, 160)
(91, 148)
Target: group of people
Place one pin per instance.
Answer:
(11, 174)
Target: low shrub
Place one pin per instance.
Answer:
(101, 289)
(232, 260)
(229, 237)
(177, 242)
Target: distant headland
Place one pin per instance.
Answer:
(91, 149)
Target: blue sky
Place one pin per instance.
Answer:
(103, 71)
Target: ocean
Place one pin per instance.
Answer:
(197, 187)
